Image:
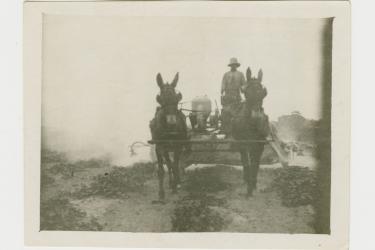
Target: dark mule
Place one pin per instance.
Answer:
(168, 124)
(250, 123)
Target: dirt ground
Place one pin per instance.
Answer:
(135, 212)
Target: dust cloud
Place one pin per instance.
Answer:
(99, 73)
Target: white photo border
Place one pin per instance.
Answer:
(33, 42)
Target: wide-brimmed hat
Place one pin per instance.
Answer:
(234, 61)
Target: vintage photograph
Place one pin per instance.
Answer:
(186, 124)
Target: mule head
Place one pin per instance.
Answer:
(252, 83)
(168, 94)
(253, 80)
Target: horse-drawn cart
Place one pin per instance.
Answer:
(205, 144)
(211, 149)
(178, 144)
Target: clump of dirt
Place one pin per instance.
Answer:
(59, 214)
(194, 213)
(118, 182)
(206, 180)
(296, 186)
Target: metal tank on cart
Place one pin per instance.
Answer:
(201, 107)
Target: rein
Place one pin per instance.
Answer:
(192, 110)
(182, 109)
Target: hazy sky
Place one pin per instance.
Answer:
(99, 73)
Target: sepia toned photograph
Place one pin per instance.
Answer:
(185, 124)
(202, 125)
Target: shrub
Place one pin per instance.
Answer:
(295, 185)
(118, 182)
(59, 214)
(194, 214)
(66, 170)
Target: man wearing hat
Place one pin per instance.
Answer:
(233, 80)
(231, 85)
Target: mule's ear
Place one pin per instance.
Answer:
(159, 80)
(260, 75)
(248, 74)
(175, 80)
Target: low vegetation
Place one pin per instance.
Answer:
(199, 208)
(59, 214)
(195, 213)
(296, 186)
(51, 156)
(118, 182)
